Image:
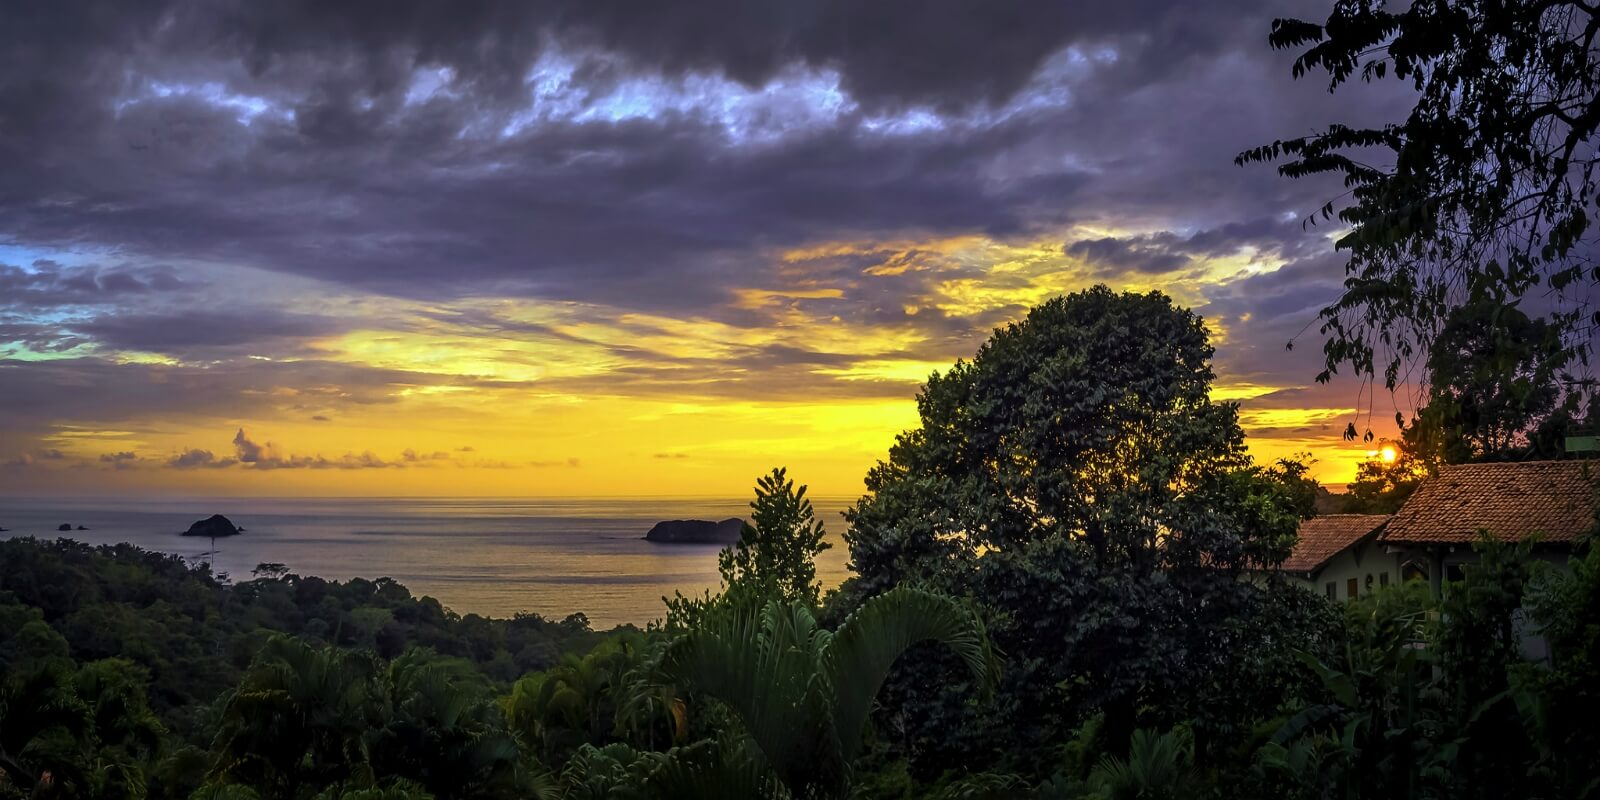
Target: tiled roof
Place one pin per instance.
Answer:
(1511, 500)
(1324, 537)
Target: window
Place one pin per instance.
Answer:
(1383, 579)
(1333, 590)
(1351, 588)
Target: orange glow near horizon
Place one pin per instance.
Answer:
(501, 397)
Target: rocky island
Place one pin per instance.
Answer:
(215, 526)
(696, 531)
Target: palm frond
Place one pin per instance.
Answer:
(875, 636)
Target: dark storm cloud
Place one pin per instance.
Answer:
(36, 337)
(661, 158)
(1116, 256)
(1288, 237)
(199, 459)
(121, 460)
(604, 212)
(1262, 315)
(188, 332)
(1168, 252)
(46, 283)
(34, 458)
(249, 453)
(377, 143)
(897, 52)
(262, 455)
(95, 391)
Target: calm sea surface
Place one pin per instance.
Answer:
(494, 557)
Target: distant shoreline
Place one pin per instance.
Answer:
(489, 557)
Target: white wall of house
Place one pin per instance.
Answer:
(1372, 566)
(1359, 570)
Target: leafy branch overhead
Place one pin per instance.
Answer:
(1485, 191)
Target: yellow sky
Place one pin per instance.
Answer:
(807, 367)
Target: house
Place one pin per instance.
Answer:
(1339, 556)
(1433, 533)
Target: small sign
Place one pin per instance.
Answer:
(1582, 444)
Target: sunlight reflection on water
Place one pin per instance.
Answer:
(495, 557)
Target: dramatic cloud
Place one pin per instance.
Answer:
(251, 454)
(125, 459)
(181, 333)
(35, 457)
(46, 283)
(198, 459)
(681, 241)
(266, 455)
(1116, 256)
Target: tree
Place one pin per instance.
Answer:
(802, 694)
(42, 726)
(1485, 190)
(1494, 383)
(270, 570)
(444, 732)
(775, 556)
(1158, 767)
(298, 720)
(1432, 697)
(1382, 486)
(1094, 406)
(1076, 477)
(123, 734)
(69, 731)
(328, 722)
(1566, 607)
(577, 702)
(1301, 490)
(1494, 393)
(774, 559)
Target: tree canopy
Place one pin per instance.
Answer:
(1494, 377)
(1485, 191)
(774, 559)
(1089, 420)
(1076, 477)
(775, 556)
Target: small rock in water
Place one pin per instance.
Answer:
(696, 531)
(83, 527)
(65, 526)
(215, 526)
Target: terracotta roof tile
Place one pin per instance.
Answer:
(1511, 500)
(1323, 537)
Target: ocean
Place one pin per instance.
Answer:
(493, 557)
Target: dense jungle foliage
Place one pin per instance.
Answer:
(1063, 576)
(1063, 588)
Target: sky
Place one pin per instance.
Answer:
(614, 248)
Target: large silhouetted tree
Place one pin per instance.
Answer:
(1078, 479)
